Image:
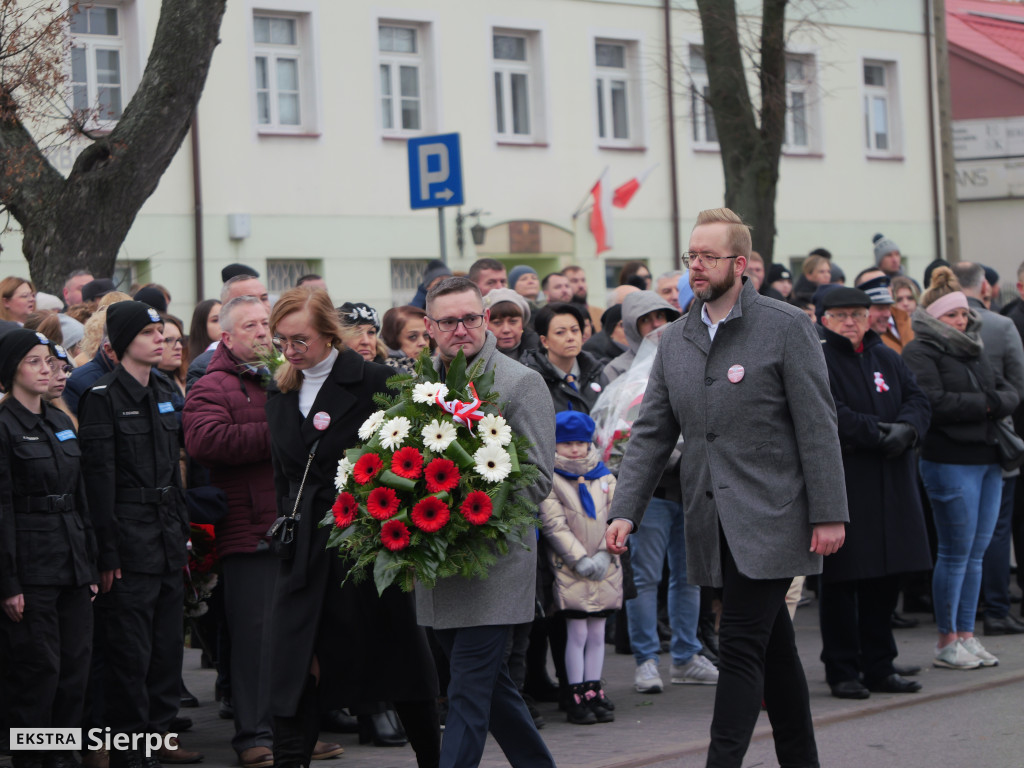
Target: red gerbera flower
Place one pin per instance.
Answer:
(407, 462)
(382, 503)
(367, 467)
(394, 535)
(477, 507)
(345, 509)
(442, 475)
(431, 514)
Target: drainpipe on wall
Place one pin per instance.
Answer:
(197, 201)
(677, 258)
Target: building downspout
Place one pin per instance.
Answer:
(677, 257)
(197, 211)
(929, 68)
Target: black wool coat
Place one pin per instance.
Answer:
(886, 533)
(369, 649)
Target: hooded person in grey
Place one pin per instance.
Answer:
(634, 307)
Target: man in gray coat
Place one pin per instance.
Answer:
(1002, 347)
(742, 377)
(472, 618)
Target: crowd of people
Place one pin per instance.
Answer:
(121, 426)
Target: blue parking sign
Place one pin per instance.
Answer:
(435, 171)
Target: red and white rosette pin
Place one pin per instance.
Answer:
(322, 420)
(736, 373)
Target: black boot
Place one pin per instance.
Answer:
(593, 696)
(579, 711)
(605, 701)
(295, 737)
(383, 729)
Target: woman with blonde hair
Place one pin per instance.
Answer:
(333, 646)
(959, 458)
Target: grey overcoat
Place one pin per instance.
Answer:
(761, 456)
(507, 595)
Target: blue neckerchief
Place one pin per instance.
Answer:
(585, 498)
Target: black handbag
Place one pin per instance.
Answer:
(1010, 445)
(282, 533)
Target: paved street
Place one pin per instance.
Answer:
(959, 719)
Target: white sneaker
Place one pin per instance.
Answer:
(955, 656)
(697, 671)
(647, 679)
(974, 647)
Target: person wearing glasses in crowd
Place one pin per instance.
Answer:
(47, 553)
(332, 646)
(473, 618)
(743, 379)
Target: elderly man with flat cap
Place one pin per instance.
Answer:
(882, 412)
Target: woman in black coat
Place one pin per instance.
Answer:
(881, 413)
(333, 646)
(571, 374)
(959, 458)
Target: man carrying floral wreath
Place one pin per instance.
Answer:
(473, 617)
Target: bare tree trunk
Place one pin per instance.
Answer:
(750, 152)
(80, 222)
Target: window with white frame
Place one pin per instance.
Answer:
(618, 92)
(282, 59)
(517, 85)
(881, 108)
(703, 119)
(97, 55)
(405, 73)
(801, 104)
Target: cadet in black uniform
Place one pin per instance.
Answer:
(130, 443)
(47, 553)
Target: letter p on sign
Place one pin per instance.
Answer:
(435, 171)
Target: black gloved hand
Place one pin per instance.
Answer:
(896, 438)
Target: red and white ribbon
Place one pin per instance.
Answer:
(463, 413)
(880, 385)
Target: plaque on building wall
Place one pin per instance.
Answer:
(989, 158)
(524, 236)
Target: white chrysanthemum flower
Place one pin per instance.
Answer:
(492, 463)
(394, 432)
(341, 479)
(371, 425)
(427, 392)
(438, 435)
(494, 430)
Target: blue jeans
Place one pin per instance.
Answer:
(965, 503)
(995, 568)
(660, 534)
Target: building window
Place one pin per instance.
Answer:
(517, 86)
(97, 61)
(406, 79)
(129, 276)
(282, 61)
(880, 108)
(704, 132)
(618, 92)
(406, 276)
(801, 104)
(283, 274)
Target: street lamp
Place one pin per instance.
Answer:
(478, 231)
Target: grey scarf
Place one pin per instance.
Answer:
(946, 337)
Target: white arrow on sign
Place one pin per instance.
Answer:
(428, 177)
(445, 194)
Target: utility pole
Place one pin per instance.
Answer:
(950, 207)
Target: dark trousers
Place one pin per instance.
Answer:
(995, 567)
(140, 625)
(856, 628)
(758, 659)
(249, 582)
(482, 697)
(45, 660)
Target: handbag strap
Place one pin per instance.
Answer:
(305, 474)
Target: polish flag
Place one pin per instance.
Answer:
(601, 213)
(625, 193)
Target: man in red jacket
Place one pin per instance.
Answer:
(226, 431)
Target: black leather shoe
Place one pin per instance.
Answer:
(906, 671)
(902, 622)
(225, 711)
(895, 684)
(1007, 625)
(339, 721)
(383, 729)
(850, 689)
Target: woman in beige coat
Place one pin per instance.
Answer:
(588, 580)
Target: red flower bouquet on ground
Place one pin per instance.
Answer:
(432, 491)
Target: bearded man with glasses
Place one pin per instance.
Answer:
(743, 379)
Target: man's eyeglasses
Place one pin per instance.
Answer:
(298, 345)
(707, 260)
(842, 317)
(449, 324)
